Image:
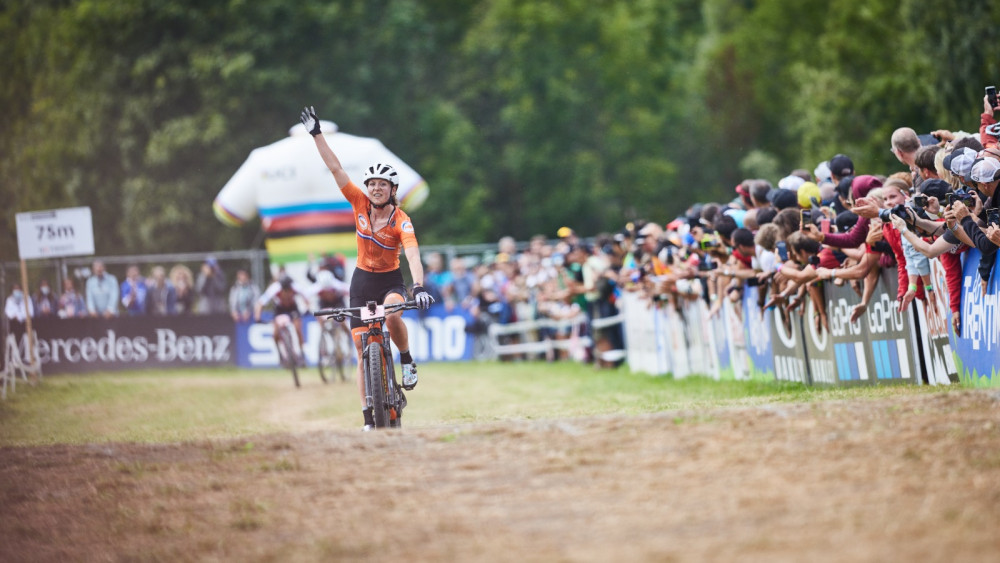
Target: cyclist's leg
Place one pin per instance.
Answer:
(362, 290)
(397, 328)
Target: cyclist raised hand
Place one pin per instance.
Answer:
(382, 230)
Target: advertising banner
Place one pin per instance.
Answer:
(435, 335)
(978, 345)
(757, 334)
(645, 353)
(84, 345)
(892, 347)
(933, 330)
(787, 346)
(818, 345)
(735, 340)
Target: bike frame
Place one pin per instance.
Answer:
(377, 334)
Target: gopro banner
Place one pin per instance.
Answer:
(84, 345)
(891, 343)
(847, 337)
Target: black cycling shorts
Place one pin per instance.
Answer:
(371, 286)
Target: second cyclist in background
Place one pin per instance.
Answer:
(284, 295)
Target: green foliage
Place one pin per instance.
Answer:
(523, 115)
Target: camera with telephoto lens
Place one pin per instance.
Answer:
(899, 211)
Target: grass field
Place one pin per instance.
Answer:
(185, 405)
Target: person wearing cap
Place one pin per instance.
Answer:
(959, 163)
(782, 198)
(841, 166)
(383, 230)
(986, 174)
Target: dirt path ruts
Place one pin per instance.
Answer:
(911, 478)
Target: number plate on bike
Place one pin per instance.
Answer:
(377, 315)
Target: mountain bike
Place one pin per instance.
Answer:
(334, 349)
(286, 345)
(382, 391)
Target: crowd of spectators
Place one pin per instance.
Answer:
(833, 225)
(101, 295)
(836, 225)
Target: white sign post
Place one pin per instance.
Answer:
(53, 233)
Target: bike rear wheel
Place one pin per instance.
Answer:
(286, 351)
(376, 384)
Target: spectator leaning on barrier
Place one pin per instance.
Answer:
(211, 288)
(133, 292)
(161, 297)
(71, 304)
(45, 301)
(243, 297)
(102, 292)
(183, 282)
(14, 307)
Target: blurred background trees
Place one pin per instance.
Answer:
(523, 115)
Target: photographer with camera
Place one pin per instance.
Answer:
(986, 174)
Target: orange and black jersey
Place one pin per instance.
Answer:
(378, 251)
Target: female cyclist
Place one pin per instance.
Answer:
(382, 229)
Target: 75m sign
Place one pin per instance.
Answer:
(55, 233)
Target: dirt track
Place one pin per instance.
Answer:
(914, 478)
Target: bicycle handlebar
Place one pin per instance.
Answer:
(339, 313)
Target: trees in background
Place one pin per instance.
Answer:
(523, 115)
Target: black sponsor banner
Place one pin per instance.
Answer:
(84, 345)
(788, 347)
(819, 343)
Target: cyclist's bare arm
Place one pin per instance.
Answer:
(416, 267)
(331, 161)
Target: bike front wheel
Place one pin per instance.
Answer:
(377, 384)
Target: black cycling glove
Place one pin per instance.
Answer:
(310, 120)
(421, 296)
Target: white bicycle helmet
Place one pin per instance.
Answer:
(381, 171)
